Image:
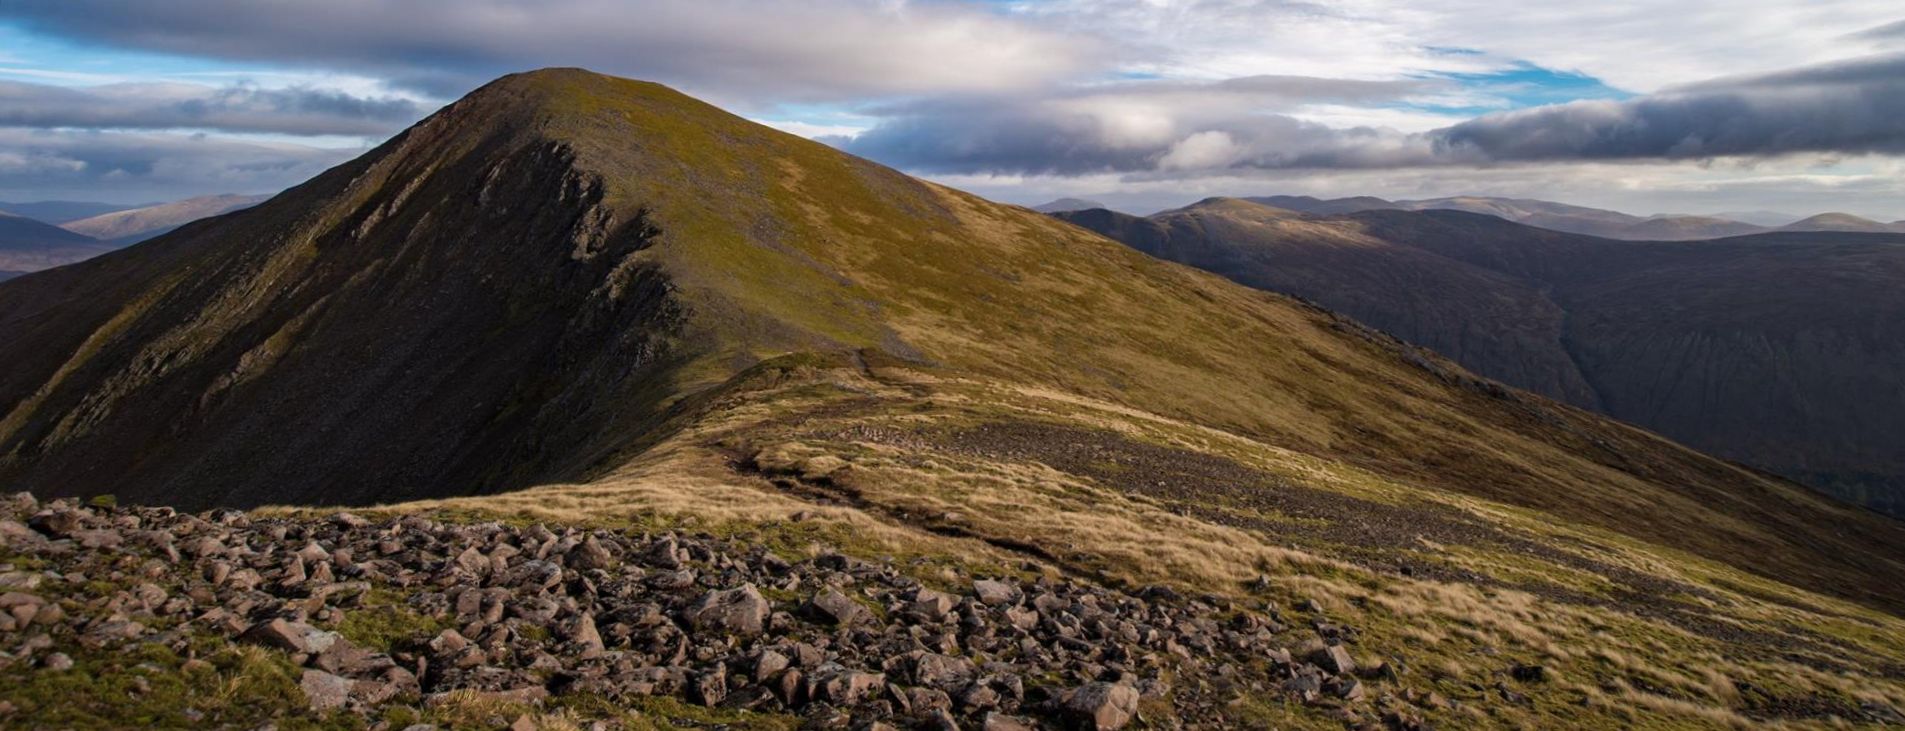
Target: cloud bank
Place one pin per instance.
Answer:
(130, 167)
(1855, 107)
(735, 50)
(242, 108)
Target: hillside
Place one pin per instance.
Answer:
(1841, 222)
(59, 212)
(138, 224)
(1685, 340)
(1543, 214)
(27, 245)
(571, 307)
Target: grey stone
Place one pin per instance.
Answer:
(324, 691)
(1102, 706)
(836, 608)
(996, 593)
(742, 611)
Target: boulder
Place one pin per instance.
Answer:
(945, 672)
(590, 554)
(1002, 722)
(585, 637)
(1102, 706)
(931, 606)
(850, 687)
(533, 576)
(97, 538)
(324, 691)
(996, 593)
(740, 611)
(57, 523)
(290, 636)
(1334, 659)
(833, 607)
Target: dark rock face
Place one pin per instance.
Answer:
(525, 621)
(1782, 351)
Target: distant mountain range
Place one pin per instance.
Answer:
(60, 212)
(1584, 220)
(28, 244)
(1782, 350)
(138, 224)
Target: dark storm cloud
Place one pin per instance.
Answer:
(298, 111)
(1137, 126)
(1852, 108)
(1846, 108)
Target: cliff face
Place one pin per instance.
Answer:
(1782, 351)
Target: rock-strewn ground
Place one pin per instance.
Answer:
(402, 620)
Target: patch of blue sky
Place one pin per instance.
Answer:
(817, 120)
(1519, 86)
(27, 56)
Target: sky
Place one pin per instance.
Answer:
(1689, 106)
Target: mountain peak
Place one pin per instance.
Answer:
(1836, 221)
(1235, 206)
(1067, 204)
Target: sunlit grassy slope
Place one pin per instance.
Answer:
(888, 460)
(1044, 325)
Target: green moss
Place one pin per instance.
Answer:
(658, 713)
(383, 622)
(150, 686)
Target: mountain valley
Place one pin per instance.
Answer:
(1685, 339)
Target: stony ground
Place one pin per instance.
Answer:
(392, 623)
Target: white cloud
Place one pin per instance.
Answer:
(735, 50)
(241, 107)
(130, 167)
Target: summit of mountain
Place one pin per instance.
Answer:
(1840, 222)
(1067, 204)
(602, 308)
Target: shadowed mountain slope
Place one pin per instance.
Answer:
(1779, 350)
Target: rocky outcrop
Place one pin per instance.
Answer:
(718, 623)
